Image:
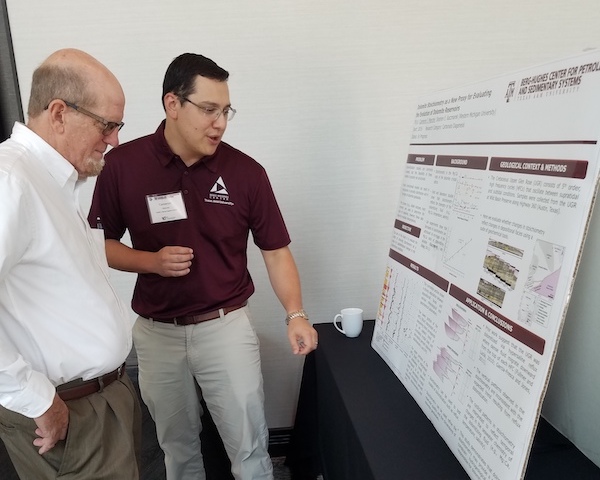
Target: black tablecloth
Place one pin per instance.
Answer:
(356, 421)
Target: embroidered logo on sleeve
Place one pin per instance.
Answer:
(218, 193)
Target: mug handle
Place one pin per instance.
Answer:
(335, 324)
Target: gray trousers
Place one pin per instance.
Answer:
(103, 440)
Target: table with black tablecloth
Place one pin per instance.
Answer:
(356, 421)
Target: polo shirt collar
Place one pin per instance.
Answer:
(166, 155)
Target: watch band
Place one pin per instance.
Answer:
(297, 313)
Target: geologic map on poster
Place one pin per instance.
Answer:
(498, 189)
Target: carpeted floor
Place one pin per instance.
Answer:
(280, 471)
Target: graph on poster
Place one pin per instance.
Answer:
(542, 283)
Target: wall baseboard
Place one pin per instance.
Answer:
(279, 441)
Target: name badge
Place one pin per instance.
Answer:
(166, 207)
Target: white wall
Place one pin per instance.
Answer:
(326, 95)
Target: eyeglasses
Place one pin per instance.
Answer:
(109, 127)
(213, 112)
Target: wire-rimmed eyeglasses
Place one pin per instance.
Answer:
(109, 127)
(213, 112)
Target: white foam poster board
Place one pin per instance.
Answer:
(498, 188)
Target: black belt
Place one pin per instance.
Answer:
(82, 388)
(193, 319)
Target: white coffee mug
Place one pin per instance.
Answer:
(352, 321)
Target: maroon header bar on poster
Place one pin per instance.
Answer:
(407, 228)
(420, 270)
(519, 333)
(541, 166)
(420, 159)
(458, 161)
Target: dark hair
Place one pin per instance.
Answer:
(181, 74)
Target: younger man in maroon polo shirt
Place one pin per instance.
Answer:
(189, 202)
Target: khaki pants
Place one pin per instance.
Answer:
(222, 356)
(103, 441)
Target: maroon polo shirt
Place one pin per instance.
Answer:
(224, 197)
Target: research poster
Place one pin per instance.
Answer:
(498, 188)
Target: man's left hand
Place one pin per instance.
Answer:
(303, 337)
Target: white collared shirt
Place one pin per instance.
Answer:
(60, 318)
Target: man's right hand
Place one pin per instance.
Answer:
(173, 261)
(52, 425)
